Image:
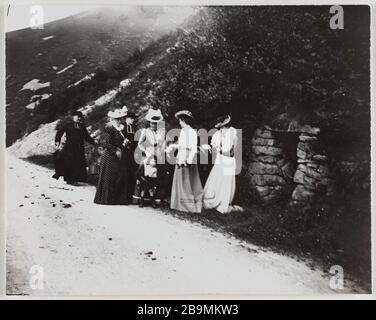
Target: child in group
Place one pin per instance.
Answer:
(146, 182)
(165, 174)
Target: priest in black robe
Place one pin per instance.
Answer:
(70, 160)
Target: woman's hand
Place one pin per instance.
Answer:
(171, 147)
(126, 142)
(148, 154)
(182, 163)
(58, 146)
(229, 153)
(205, 147)
(118, 153)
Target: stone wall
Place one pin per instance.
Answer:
(271, 171)
(312, 175)
(275, 176)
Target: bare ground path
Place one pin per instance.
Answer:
(88, 249)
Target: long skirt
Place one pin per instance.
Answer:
(71, 161)
(113, 187)
(186, 191)
(219, 189)
(59, 164)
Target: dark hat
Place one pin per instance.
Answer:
(77, 113)
(131, 115)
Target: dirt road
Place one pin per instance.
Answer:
(88, 249)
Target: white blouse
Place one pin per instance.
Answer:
(150, 139)
(224, 139)
(187, 145)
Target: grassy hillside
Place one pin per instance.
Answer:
(267, 65)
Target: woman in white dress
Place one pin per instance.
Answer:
(219, 189)
(186, 192)
(152, 139)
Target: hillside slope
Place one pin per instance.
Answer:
(42, 62)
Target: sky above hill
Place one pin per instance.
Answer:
(20, 16)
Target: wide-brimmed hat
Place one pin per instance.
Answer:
(183, 112)
(222, 121)
(154, 115)
(124, 109)
(117, 113)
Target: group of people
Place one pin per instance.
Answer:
(147, 166)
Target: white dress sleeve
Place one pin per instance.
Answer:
(192, 145)
(187, 145)
(229, 140)
(216, 140)
(142, 140)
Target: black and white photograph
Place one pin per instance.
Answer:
(178, 150)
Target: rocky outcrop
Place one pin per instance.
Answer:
(312, 175)
(275, 176)
(271, 172)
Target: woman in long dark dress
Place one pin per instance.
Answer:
(115, 183)
(70, 162)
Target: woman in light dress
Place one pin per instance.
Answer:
(151, 143)
(186, 192)
(152, 140)
(219, 189)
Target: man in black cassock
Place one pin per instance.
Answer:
(70, 161)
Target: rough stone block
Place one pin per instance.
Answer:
(319, 157)
(313, 165)
(302, 178)
(303, 155)
(264, 133)
(264, 159)
(271, 151)
(309, 171)
(269, 191)
(267, 180)
(263, 168)
(272, 197)
(302, 194)
(265, 142)
(310, 183)
(309, 130)
(299, 177)
(306, 138)
(306, 147)
(263, 191)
